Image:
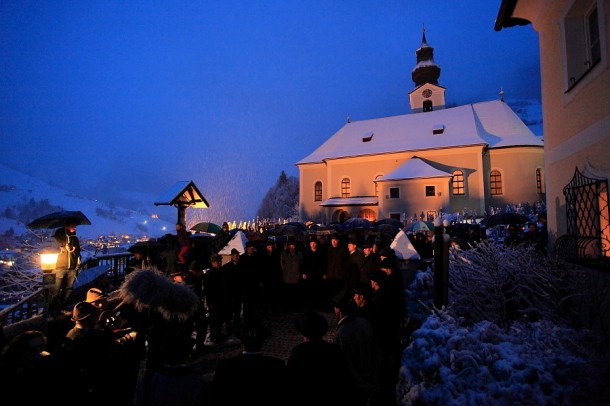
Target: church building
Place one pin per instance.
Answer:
(436, 159)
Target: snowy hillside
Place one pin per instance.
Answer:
(19, 193)
(530, 112)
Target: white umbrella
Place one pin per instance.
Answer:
(238, 241)
(403, 247)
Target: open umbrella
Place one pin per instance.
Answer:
(357, 223)
(207, 227)
(58, 219)
(394, 222)
(419, 226)
(505, 219)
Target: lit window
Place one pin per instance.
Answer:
(540, 188)
(317, 193)
(495, 183)
(394, 193)
(582, 36)
(457, 183)
(345, 187)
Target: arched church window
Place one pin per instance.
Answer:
(345, 187)
(495, 182)
(317, 193)
(457, 183)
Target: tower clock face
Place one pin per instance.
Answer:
(427, 93)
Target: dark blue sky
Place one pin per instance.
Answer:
(109, 96)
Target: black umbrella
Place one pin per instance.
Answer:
(58, 219)
(357, 223)
(394, 222)
(505, 219)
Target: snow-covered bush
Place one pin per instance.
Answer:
(529, 363)
(512, 332)
(502, 284)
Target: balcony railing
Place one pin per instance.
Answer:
(112, 266)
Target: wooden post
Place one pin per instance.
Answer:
(441, 265)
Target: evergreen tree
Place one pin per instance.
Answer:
(281, 200)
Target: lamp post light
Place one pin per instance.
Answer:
(48, 261)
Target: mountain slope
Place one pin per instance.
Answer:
(24, 198)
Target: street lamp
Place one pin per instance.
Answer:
(48, 260)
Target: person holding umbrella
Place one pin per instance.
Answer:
(68, 262)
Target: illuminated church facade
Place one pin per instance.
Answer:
(436, 159)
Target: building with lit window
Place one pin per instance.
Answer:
(575, 79)
(435, 159)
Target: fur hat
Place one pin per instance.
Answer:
(95, 294)
(147, 289)
(234, 251)
(311, 324)
(83, 310)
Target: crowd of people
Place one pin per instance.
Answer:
(163, 322)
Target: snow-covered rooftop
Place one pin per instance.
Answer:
(491, 123)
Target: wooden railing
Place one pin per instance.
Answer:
(35, 303)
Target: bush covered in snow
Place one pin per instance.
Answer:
(512, 332)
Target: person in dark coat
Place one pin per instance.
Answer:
(271, 274)
(215, 290)
(356, 337)
(250, 378)
(314, 267)
(317, 369)
(292, 262)
(67, 265)
(250, 277)
(355, 261)
(195, 280)
(387, 316)
(337, 263)
(371, 263)
(234, 292)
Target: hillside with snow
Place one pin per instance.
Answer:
(24, 198)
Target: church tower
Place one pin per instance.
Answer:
(427, 94)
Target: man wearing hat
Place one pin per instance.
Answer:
(356, 261)
(337, 263)
(371, 263)
(215, 291)
(96, 297)
(234, 292)
(251, 280)
(87, 356)
(292, 262)
(317, 369)
(271, 274)
(314, 267)
(85, 315)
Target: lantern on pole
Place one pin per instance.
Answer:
(48, 256)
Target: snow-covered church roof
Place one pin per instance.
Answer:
(491, 123)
